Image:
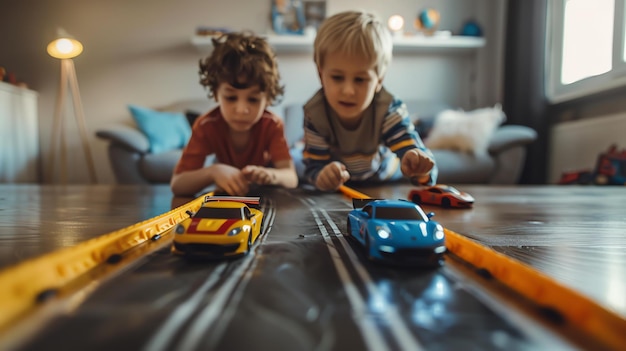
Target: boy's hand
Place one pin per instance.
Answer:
(332, 176)
(416, 163)
(230, 179)
(259, 175)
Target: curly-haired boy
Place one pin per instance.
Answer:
(248, 140)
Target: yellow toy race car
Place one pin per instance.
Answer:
(224, 226)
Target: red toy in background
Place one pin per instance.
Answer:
(610, 170)
(441, 195)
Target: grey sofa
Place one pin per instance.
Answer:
(132, 163)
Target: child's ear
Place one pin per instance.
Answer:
(379, 86)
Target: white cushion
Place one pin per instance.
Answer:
(468, 132)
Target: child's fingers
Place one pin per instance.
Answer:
(414, 163)
(236, 185)
(241, 184)
(326, 184)
(345, 176)
(332, 176)
(258, 175)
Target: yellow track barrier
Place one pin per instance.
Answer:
(577, 310)
(25, 284)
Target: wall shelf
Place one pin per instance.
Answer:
(420, 43)
(406, 44)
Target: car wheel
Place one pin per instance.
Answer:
(445, 202)
(416, 198)
(249, 242)
(348, 229)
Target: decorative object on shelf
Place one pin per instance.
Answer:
(9, 77)
(65, 48)
(314, 13)
(288, 17)
(396, 25)
(207, 31)
(471, 29)
(427, 21)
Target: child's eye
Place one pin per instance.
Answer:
(336, 78)
(254, 100)
(360, 79)
(230, 98)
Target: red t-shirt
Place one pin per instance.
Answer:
(210, 135)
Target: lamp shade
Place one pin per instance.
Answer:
(64, 47)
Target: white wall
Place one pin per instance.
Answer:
(139, 52)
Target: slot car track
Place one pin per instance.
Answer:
(304, 286)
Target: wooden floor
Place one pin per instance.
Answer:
(35, 220)
(574, 234)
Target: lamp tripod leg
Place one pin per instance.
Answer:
(80, 120)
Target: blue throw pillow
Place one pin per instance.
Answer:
(165, 130)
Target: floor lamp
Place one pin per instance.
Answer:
(65, 48)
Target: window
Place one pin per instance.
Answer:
(585, 49)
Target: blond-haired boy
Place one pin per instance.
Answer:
(354, 129)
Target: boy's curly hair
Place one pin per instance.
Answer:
(242, 60)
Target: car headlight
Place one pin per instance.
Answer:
(235, 231)
(383, 232)
(439, 235)
(180, 229)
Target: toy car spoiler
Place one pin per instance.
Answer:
(248, 200)
(360, 203)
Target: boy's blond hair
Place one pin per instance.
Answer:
(242, 60)
(355, 33)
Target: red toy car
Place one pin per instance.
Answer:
(441, 195)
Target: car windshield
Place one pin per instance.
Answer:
(400, 213)
(451, 190)
(220, 213)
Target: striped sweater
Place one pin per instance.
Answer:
(372, 151)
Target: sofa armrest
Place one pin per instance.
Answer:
(294, 120)
(509, 136)
(127, 137)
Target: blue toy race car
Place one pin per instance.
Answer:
(396, 231)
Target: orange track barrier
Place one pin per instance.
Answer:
(577, 309)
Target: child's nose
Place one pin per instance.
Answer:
(242, 107)
(348, 88)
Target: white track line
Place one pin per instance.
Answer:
(361, 316)
(397, 326)
(163, 336)
(211, 312)
(231, 308)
